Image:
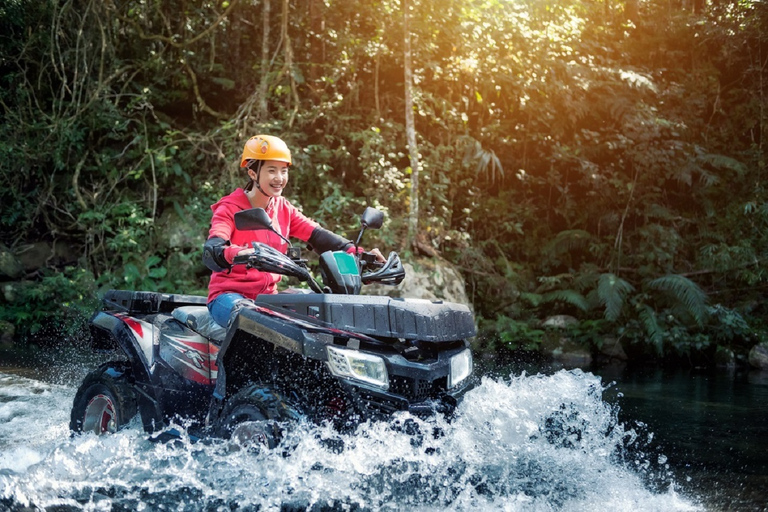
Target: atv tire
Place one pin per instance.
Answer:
(251, 418)
(105, 401)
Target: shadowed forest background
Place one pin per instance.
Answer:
(601, 159)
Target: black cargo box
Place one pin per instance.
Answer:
(149, 302)
(380, 316)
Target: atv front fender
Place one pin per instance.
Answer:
(135, 338)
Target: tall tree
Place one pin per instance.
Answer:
(410, 128)
(264, 83)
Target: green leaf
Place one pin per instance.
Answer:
(225, 83)
(685, 292)
(567, 240)
(534, 299)
(611, 291)
(571, 297)
(652, 329)
(723, 162)
(158, 273)
(131, 272)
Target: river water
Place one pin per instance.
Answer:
(550, 440)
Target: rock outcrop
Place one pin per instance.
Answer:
(426, 278)
(758, 356)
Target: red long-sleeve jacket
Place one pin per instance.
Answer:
(286, 219)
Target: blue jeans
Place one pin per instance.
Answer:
(223, 306)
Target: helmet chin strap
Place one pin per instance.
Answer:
(256, 181)
(258, 187)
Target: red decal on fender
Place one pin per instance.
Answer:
(133, 324)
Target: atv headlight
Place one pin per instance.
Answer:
(358, 366)
(461, 368)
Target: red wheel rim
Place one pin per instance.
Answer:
(100, 415)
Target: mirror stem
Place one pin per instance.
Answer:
(359, 237)
(357, 245)
(281, 236)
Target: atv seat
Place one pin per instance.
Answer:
(199, 319)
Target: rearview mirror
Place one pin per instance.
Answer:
(372, 218)
(255, 218)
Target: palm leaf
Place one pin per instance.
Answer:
(567, 240)
(722, 162)
(534, 299)
(586, 278)
(485, 160)
(571, 297)
(612, 290)
(683, 292)
(652, 328)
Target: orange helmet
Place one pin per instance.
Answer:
(265, 147)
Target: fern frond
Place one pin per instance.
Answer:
(722, 162)
(708, 179)
(534, 299)
(593, 299)
(652, 328)
(684, 174)
(571, 297)
(568, 240)
(485, 160)
(683, 292)
(611, 290)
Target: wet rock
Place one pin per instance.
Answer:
(559, 321)
(725, 357)
(10, 266)
(565, 351)
(35, 255)
(758, 356)
(560, 348)
(9, 292)
(7, 330)
(44, 254)
(178, 233)
(427, 278)
(757, 377)
(613, 349)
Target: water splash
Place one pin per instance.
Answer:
(525, 443)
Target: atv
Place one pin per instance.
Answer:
(323, 354)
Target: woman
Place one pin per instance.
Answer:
(266, 159)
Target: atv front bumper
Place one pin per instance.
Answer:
(375, 403)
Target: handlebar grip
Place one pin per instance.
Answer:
(369, 260)
(241, 260)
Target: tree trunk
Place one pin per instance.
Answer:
(264, 86)
(288, 66)
(316, 53)
(631, 11)
(410, 131)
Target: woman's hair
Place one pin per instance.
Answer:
(256, 166)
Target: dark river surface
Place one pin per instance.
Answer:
(527, 439)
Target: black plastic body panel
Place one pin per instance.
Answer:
(381, 316)
(149, 302)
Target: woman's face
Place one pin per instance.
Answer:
(273, 177)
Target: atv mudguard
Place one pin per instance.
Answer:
(136, 338)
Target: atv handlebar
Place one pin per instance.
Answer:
(369, 260)
(391, 272)
(269, 259)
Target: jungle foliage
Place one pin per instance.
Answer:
(594, 158)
